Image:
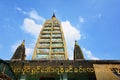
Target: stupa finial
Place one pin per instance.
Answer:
(53, 16)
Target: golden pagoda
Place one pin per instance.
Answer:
(51, 42)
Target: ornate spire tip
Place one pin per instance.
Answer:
(53, 15)
(23, 43)
(76, 42)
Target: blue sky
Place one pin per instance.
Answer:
(95, 24)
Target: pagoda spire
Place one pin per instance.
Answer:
(19, 53)
(53, 16)
(51, 43)
(23, 43)
(78, 52)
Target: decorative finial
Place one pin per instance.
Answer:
(23, 43)
(53, 16)
(76, 42)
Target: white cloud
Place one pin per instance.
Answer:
(71, 34)
(28, 48)
(81, 19)
(34, 15)
(21, 11)
(30, 26)
(29, 51)
(89, 54)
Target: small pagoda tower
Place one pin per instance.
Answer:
(19, 53)
(78, 52)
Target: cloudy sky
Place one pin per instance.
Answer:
(95, 24)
